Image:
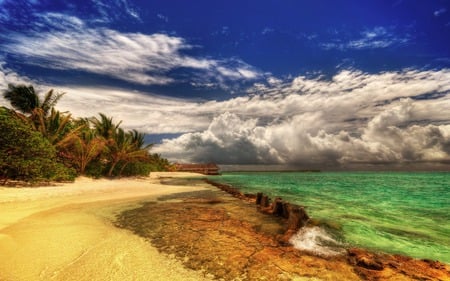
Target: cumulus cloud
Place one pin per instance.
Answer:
(232, 140)
(353, 118)
(228, 140)
(134, 57)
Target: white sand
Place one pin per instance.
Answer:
(64, 232)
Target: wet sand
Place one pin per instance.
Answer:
(65, 232)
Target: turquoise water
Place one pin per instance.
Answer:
(394, 212)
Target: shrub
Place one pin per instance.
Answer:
(137, 169)
(95, 169)
(25, 154)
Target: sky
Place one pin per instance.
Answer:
(307, 84)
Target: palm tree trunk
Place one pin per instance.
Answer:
(113, 165)
(122, 168)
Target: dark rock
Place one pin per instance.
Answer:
(277, 207)
(369, 263)
(232, 241)
(297, 218)
(265, 201)
(259, 196)
(286, 208)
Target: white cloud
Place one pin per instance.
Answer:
(163, 17)
(267, 30)
(8, 76)
(440, 12)
(248, 73)
(356, 117)
(111, 9)
(145, 112)
(232, 140)
(228, 139)
(135, 57)
(59, 21)
(375, 38)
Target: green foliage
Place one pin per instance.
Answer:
(137, 169)
(25, 154)
(159, 163)
(105, 126)
(46, 144)
(22, 98)
(95, 169)
(83, 148)
(25, 99)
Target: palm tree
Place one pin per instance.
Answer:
(119, 147)
(41, 114)
(124, 149)
(25, 99)
(105, 127)
(22, 98)
(139, 150)
(83, 148)
(57, 127)
(138, 139)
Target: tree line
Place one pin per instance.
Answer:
(40, 143)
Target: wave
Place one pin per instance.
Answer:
(317, 241)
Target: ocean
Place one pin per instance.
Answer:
(404, 213)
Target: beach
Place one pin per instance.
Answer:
(169, 226)
(64, 232)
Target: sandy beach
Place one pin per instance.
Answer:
(64, 232)
(164, 227)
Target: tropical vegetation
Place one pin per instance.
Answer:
(38, 142)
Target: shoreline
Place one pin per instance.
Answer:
(69, 232)
(368, 264)
(268, 207)
(226, 236)
(404, 214)
(64, 232)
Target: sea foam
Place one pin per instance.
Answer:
(316, 240)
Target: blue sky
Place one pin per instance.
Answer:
(301, 83)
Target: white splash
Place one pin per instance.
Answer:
(316, 240)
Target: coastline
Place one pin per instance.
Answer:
(224, 234)
(65, 232)
(101, 229)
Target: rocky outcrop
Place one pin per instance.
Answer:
(378, 266)
(295, 216)
(229, 239)
(231, 190)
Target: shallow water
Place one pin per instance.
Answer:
(394, 212)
